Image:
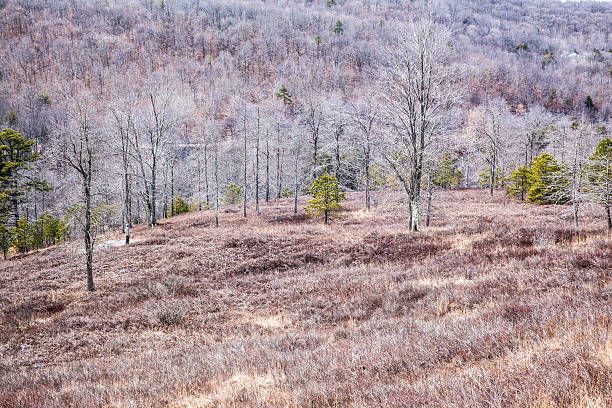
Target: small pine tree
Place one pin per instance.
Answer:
(23, 236)
(11, 118)
(232, 195)
(446, 175)
(284, 95)
(54, 229)
(286, 193)
(546, 181)
(331, 3)
(180, 205)
(326, 197)
(521, 182)
(44, 99)
(522, 46)
(339, 28)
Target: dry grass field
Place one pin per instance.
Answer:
(497, 304)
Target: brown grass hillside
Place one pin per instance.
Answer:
(497, 304)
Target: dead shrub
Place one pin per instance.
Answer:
(151, 241)
(581, 262)
(167, 314)
(514, 312)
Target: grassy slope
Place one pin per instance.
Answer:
(497, 304)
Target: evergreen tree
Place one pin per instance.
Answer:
(284, 95)
(286, 193)
(232, 195)
(54, 230)
(447, 175)
(325, 197)
(180, 205)
(589, 105)
(339, 28)
(521, 182)
(599, 176)
(16, 159)
(547, 183)
(23, 235)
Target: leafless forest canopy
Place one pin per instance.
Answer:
(163, 87)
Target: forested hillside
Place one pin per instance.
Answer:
(144, 101)
(305, 203)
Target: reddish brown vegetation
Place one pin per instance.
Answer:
(497, 304)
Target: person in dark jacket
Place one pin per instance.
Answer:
(127, 233)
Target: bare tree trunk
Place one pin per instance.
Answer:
(295, 181)
(257, 167)
(267, 166)
(199, 185)
(216, 181)
(491, 178)
(467, 170)
(128, 207)
(315, 147)
(337, 135)
(367, 177)
(429, 194)
(416, 209)
(607, 209)
(410, 214)
(87, 230)
(244, 199)
(576, 205)
(165, 200)
(172, 188)
(153, 192)
(206, 176)
(278, 163)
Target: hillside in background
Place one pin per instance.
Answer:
(498, 303)
(217, 68)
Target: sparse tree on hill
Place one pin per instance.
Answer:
(364, 117)
(326, 197)
(419, 96)
(80, 141)
(159, 118)
(490, 127)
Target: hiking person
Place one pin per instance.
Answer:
(127, 233)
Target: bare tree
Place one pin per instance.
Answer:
(216, 180)
(257, 164)
(124, 124)
(419, 95)
(79, 148)
(267, 165)
(488, 125)
(279, 173)
(364, 116)
(244, 161)
(159, 118)
(312, 118)
(535, 124)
